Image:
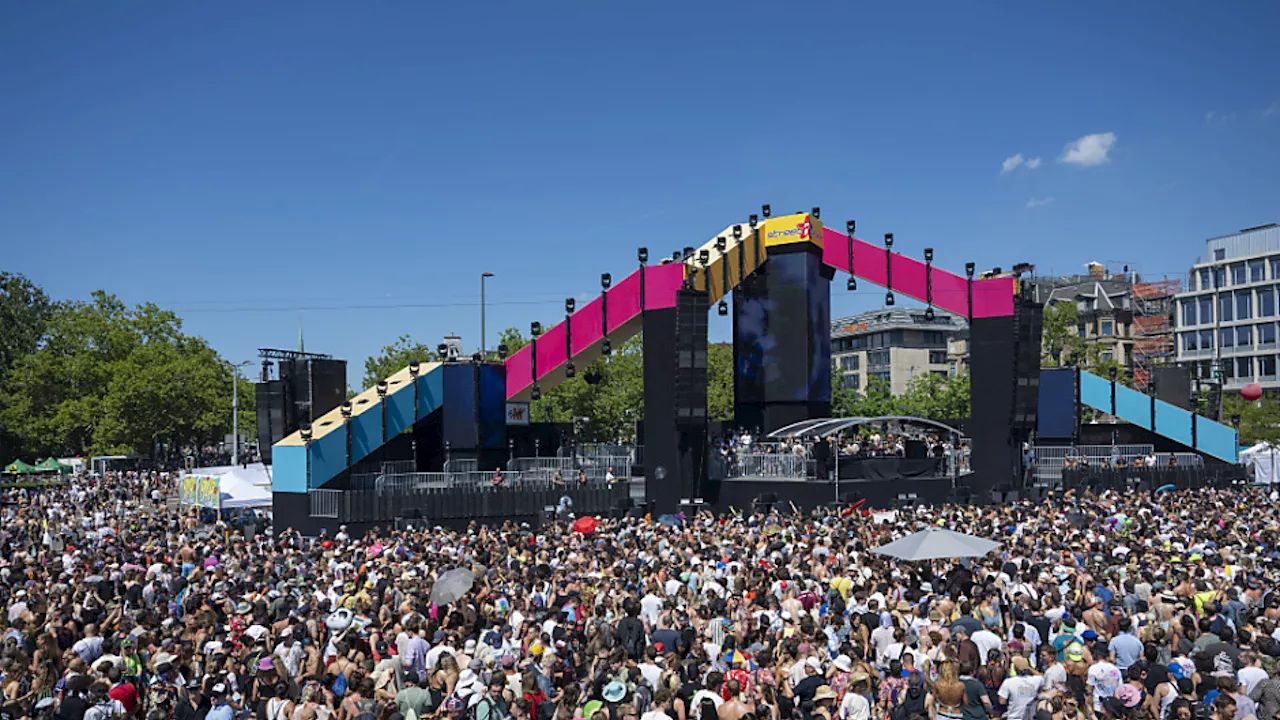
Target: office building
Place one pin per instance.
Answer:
(896, 345)
(1226, 318)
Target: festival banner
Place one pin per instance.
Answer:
(188, 494)
(210, 492)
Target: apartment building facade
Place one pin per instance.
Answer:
(1227, 315)
(895, 345)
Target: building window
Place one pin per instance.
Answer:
(1106, 328)
(1220, 254)
(937, 357)
(1188, 313)
(1219, 277)
(852, 382)
(1206, 310)
(878, 357)
(1244, 336)
(935, 338)
(1257, 271)
(1082, 330)
(1205, 282)
(1224, 308)
(1107, 356)
(1237, 274)
(1244, 368)
(1206, 339)
(1227, 337)
(1188, 342)
(849, 362)
(1244, 305)
(1267, 366)
(1266, 302)
(1275, 268)
(885, 376)
(1266, 334)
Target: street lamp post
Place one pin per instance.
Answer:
(235, 410)
(484, 349)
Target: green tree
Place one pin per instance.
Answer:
(1059, 342)
(395, 357)
(1259, 421)
(936, 397)
(24, 314)
(720, 381)
(876, 400)
(108, 378)
(844, 400)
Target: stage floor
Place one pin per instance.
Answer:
(741, 493)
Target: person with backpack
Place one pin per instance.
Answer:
(359, 703)
(492, 706)
(912, 701)
(630, 630)
(414, 698)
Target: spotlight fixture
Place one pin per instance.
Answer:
(569, 370)
(888, 298)
(569, 305)
(642, 255)
(477, 358)
(382, 388)
(766, 211)
(535, 329)
(346, 409)
(753, 221)
(723, 308)
(443, 351)
(677, 256)
(888, 240)
(929, 315)
(688, 252)
(721, 244)
(606, 280)
(606, 348)
(704, 257)
(816, 212)
(503, 350)
(305, 432)
(1235, 421)
(414, 368)
(737, 232)
(1113, 373)
(968, 270)
(852, 284)
(928, 255)
(850, 225)
(535, 393)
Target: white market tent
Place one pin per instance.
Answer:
(241, 487)
(1265, 459)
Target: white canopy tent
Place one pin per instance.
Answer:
(238, 491)
(1265, 459)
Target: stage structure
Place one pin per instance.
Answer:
(779, 269)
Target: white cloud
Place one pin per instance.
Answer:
(1010, 164)
(1039, 202)
(1033, 163)
(1214, 117)
(1089, 150)
(1272, 109)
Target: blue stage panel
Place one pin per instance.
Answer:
(1173, 422)
(289, 468)
(328, 458)
(1095, 392)
(1133, 407)
(1057, 403)
(431, 392)
(399, 410)
(1217, 440)
(366, 433)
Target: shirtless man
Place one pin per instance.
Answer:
(734, 708)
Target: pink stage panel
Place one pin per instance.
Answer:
(660, 283)
(991, 298)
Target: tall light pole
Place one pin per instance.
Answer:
(235, 409)
(484, 349)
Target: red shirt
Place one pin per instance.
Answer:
(127, 694)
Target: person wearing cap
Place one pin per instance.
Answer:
(1019, 690)
(220, 709)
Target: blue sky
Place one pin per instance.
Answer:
(246, 164)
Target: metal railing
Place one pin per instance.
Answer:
(1051, 460)
(1148, 479)
(324, 503)
(594, 466)
(764, 465)
(458, 465)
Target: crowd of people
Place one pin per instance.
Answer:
(1134, 607)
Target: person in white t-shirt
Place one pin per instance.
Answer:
(1019, 691)
(1252, 673)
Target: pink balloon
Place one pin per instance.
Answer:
(1251, 392)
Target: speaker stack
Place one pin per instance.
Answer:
(1026, 395)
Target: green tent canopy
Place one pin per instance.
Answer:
(17, 467)
(51, 465)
